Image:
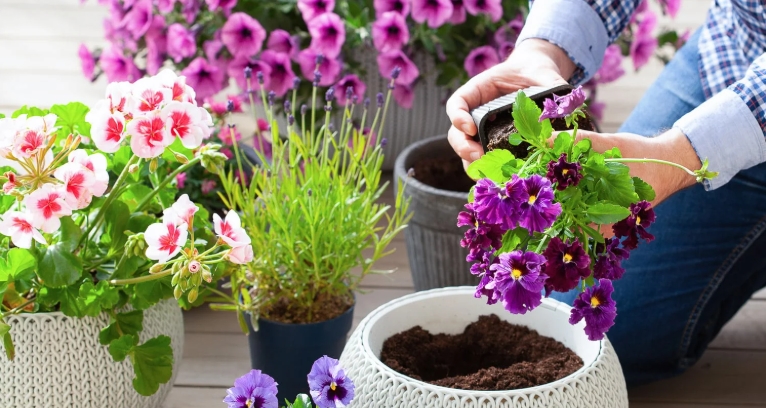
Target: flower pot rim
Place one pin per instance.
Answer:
(32, 315)
(348, 311)
(415, 183)
(547, 303)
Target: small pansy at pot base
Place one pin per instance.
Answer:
(598, 309)
(253, 390)
(330, 388)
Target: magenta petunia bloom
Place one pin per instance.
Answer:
(282, 41)
(311, 9)
(493, 8)
(566, 265)
(435, 12)
(329, 68)
(611, 68)
(481, 236)
(640, 218)
(165, 6)
(223, 5)
(387, 61)
(390, 32)
(480, 60)
(156, 45)
(138, 19)
(190, 9)
(87, 62)
(243, 35)
(328, 384)
(206, 79)
(495, 205)
(358, 88)
(181, 43)
(236, 70)
(596, 109)
(253, 390)
(328, 33)
(561, 106)
(538, 211)
(597, 307)
(510, 31)
(404, 96)
(458, 12)
(609, 260)
(505, 49)
(671, 6)
(117, 67)
(400, 6)
(281, 75)
(519, 281)
(563, 173)
(644, 43)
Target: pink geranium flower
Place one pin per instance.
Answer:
(240, 255)
(181, 212)
(458, 12)
(12, 182)
(180, 180)
(164, 241)
(390, 32)
(150, 135)
(329, 68)
(87, 62)
(435, 12)
(358, 88)
(282, 41)
(78, 183)
(18, 226)
(107, 129)
(208, 186)
(493, 8)
(243, 35)
(185, 121)
(387, 61)
(400, 6)
(46, 205)
(96, 163)
(204, 78)
(148, 94)
(230, 230)
(480, 60)
(118, 67)
(327, 34)
(28, 143)
(310, 9)
(181, 42)
(281, 75)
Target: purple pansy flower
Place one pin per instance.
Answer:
(310, 9)
(480, 60)
(518, 280)
(328, 384)
(329, 68)
(87, 62)
(458, 12)
(404, 95)
(538, 211)
(482, 269)
(139, 18)
(358, 88)
(327, 34)
(400, 6)
(495, 205)
(596, 109)
(243, 35)
(253, 390)
(387, 61)
(204, 78)
(561, 106)
(563, 173)
(223, 5)
(281, 76)
(644, 43)
(597, 307)
(390, 32)
(609, 260)
(282, 41)
(181, 42)
(435, 12)
(611, 68)
(567, 264)
(117, 67)
(640, 218)
(481, 236)
(493, 8)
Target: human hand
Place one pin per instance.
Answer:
(534, 62)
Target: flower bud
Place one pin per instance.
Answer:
(259, 75)
(366, 103)
(290, 120)
(230, 106)
(175, 279)
(317, 78)
(196, 279)
(395, 72)
(319, 59)
(156, 268)
(380, 100)
(248, 72)
(304, 109)
(354, 99)
(181, 158)
(331, 127)
(207, 276)
(185, 273)
(296, 82)
(383, 142)
(133, 168)
(194, 266)
(329, 96)
(153, 165)
(271, 97)
(411, 172)
(192, 296)
(183, 283)
(177, 292)
(349, 92)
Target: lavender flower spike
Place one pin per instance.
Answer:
(248, 72)
(380, 99)
(330, 95)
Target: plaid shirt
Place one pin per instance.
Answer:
(732, 68)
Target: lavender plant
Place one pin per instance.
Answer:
(535, 221)
(312, 209)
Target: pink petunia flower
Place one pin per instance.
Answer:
(400, 6)
(139, 18)
(387, 61)
(208, 186)
(281, 75)
(181, 180)
(434, 12)
(671, 6)
(78, 184)
(237, 71)
(204, 78)
(165, 6)
(493, 8)
(230, 230)
(223, 5)
(45, 206)
(311, 9)
(181, 212)
(18, 226)
(329, 68)
(156, 45)
(87, 62)
(96, 163)
(509, 32)
(390, 32)
(644, 44)
(149, 135)
(190, 9)
(282, 41)
(480, 60)
(358, 88)
(240, 255)
(611, 68)
(458, 12)
(404, 96)
(181, 42)
(165, 240)
(117, 67)
(328, 33)
(243, 35)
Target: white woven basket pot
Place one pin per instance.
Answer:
(599, 383)
(60, 363)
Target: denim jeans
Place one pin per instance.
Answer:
(709, 255)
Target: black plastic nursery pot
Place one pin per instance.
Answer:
(286, 351)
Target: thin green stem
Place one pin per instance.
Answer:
(18, 308)
(234, 143)
(172, 176)
(385, 112)
(221, 294)
(658, 161)
(140, 279)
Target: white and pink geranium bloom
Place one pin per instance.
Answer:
(46, 206)
(18, 226)
(165, 240)
(230, 230)
(181, 212)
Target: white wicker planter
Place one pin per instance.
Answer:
(60, 363)
(599, 383)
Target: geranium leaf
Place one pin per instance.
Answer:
(643, 189)
(117, 218)
(95, 298)
(490, 166)
(71, 118)
(59, 267)
(19, 264)
(149, 293)
(134, 194)
(29, 111)
(122, 347)
(10, 349)
(526, 115)
(123, 323)
(66, 298)
(606, 213)
(152, 364)
(70, 234)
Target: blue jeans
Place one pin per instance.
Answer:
(708, 258)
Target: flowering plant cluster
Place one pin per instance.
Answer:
(535, 221)
(328, 384)
(213, 40)
(90, 222)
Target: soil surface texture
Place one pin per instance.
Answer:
(443, 173)
(490, 354)
(499, 129)
(324, 308)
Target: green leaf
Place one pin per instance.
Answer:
(515, 139)
(490, 165)
(70, 234)
(121, 324)
(122, 347)
(643, 189)
(117, 219)
(301, 401)
(71, 118)
(29, 111)
(95, 298)
(526, 116)
(10, 349)
(66, 298)
(546, 130)
(593, 233)
(19, 264)
(134, 194)
(147, 294)
(152, 364)
(512, 239)
(6, 202)
(612, 153)
(512, 167)
(611, 180)
(2, 115)
(59, 267)
(583, 146)
(563, 143)
(606, 213)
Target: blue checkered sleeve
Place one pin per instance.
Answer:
(582, 28)
(752, 90)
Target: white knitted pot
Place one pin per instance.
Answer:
(599, 383)
(60, 363)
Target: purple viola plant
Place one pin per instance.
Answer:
(535, 225)
(328, 384)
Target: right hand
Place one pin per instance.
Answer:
(534, 62)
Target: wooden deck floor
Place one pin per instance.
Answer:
(39, 66)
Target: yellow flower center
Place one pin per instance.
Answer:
(638, 220)
(564, 172)
(567, 258)
(532, 199)
(516, 273)
(594, 302)
(333, 386)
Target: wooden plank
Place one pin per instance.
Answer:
(720, 377)
(43, 90)
(696, 405)
(41, 55)
(746, 330)
(212, 371)
(62, 22)
(195, 397)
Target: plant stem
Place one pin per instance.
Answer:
(140, 279)
(238, 156)
(658, 161)
(17, 309)
(167, 180)
(221, 294)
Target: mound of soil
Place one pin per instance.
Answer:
(499, 129)
(444, 173)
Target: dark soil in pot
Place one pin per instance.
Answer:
(502, 126)
(491, 354)
(324, 308)
(443, 174)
